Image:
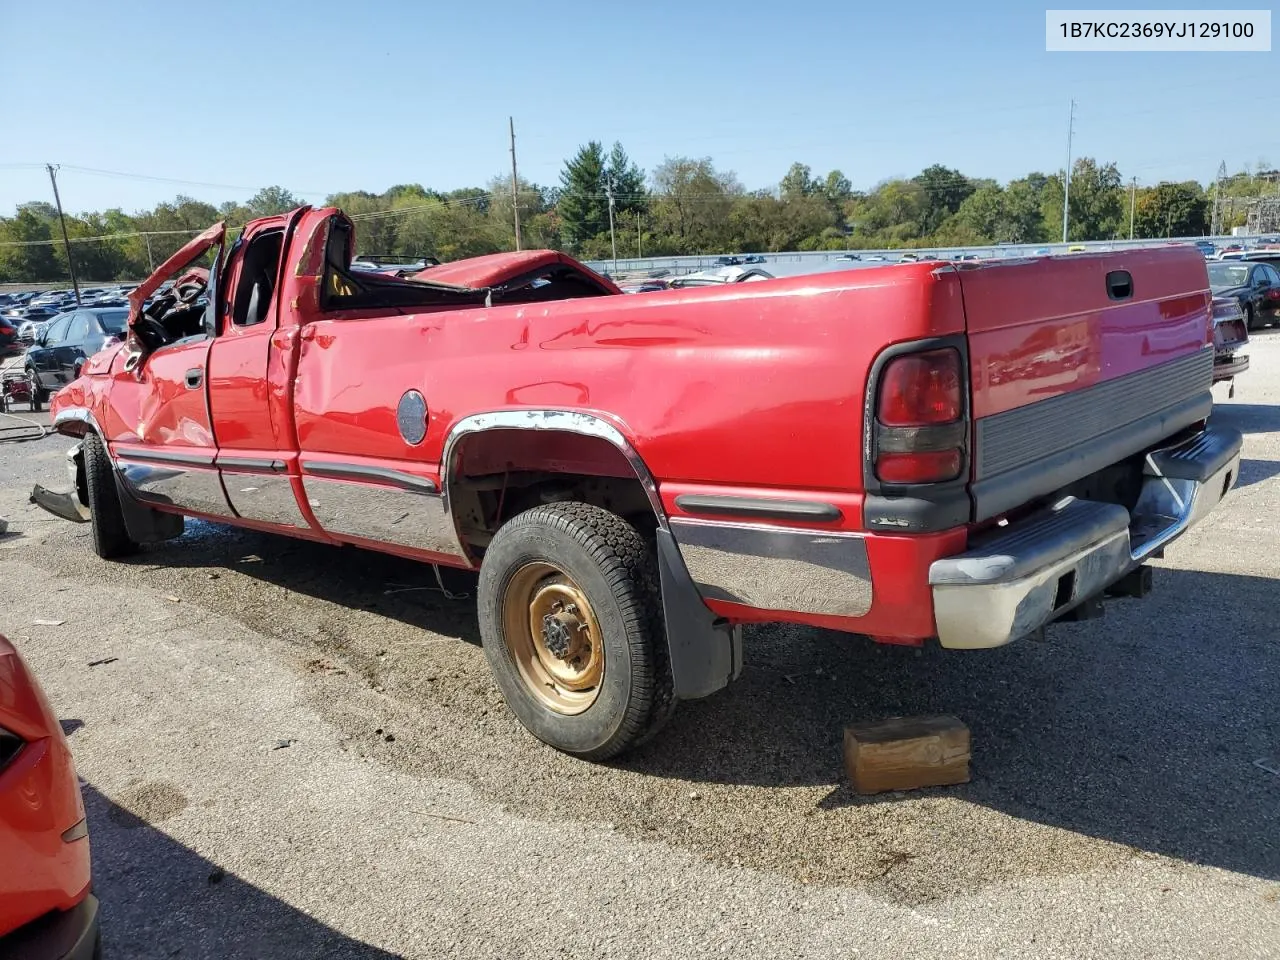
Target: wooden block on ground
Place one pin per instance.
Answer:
(905, 753)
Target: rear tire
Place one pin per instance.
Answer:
(571, 621)
(110, 537)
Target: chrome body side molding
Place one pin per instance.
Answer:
(777, 568)
(266, 497)
(175, 484)
(387, 514)
(340, 470)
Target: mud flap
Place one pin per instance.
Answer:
(706, 650)
(144, 524)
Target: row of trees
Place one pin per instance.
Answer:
(684, 206)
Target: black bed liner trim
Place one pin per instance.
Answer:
(763, 507)
(360, 472)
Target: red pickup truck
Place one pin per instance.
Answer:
(960, 451)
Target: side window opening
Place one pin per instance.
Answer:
(79, 329)
(259, 272)
(57, 331)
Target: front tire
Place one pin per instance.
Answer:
(1249, 323)
(571, 621)
(110, 537)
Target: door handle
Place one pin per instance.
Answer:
(194, 377)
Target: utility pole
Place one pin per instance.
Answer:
(1215, 228)
(639, 252)
(1133, 193)
(515, 183)
(1066, 180)
(608, 186)
(151, 263)
(66, 241)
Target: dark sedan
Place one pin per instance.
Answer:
(67, 342)
(1255, 285)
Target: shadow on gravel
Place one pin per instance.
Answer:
(1141, 728)
(354, 578)
(1255, 471)
(1248, 417)
(161, 899)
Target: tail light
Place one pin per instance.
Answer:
(920, 428)
(1273, 294)
(7, 330)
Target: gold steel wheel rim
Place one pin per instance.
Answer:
(553, 636)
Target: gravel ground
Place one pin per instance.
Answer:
(295, 751)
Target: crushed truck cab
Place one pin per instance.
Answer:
(963, 452)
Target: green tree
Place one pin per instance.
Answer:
(270, 201)
(584, 210)
(627, 180)
(1023, 210)
(798, 183)
(982, 216)
(944, 190)
(26, 248)
(693, 204)
(1097, 201)
(889, 215)
(1172, 210)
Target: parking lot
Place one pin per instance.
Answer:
(295, 751)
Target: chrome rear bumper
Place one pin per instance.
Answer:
(1014, 581)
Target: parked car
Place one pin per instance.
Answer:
(1255, 285)
(708, 278)
(1230, 337)
(66, 343)
(636, 478)
(1206, 247)
(728, 261)
(643, 286)
(37, 313)
(754, 258)
(848, 256)
(10, 344)
(47, 909)
(1264, 255)
(30, 330)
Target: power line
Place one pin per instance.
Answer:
(1066, 178)
(121, 174)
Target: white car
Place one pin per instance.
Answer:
(30, 330)
(708, 278)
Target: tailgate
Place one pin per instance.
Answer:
(1079, 361)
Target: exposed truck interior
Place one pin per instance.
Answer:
(557, 278)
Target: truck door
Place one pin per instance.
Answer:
(249, 379)
(170, 458)
(165, 447)
(43, 356)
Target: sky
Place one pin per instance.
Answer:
(320, 96)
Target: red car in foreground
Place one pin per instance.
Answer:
(47, 911)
